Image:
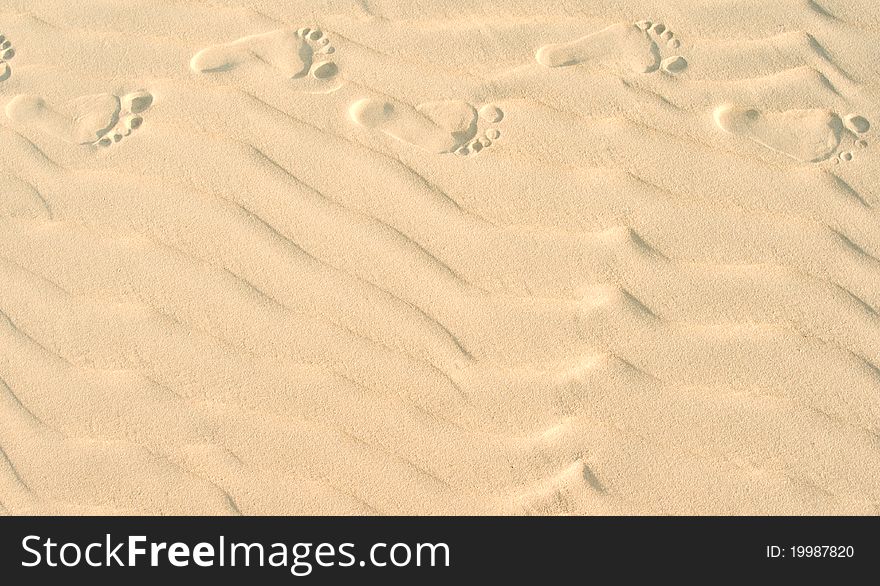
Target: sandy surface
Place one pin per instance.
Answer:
(439, 257)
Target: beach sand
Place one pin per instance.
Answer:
(446, 257)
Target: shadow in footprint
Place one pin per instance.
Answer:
(592, 480)
(7, 52)
(131, 107)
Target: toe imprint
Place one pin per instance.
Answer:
(856, 123)
(7, 52)
(674, 64)
(137, 102)
(324, 70)
(133, 122)
(491, 113)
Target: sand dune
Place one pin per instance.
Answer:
(445, 258)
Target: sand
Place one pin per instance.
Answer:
(446, 257)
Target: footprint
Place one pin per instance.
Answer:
(293, 54)
(85, 120)
(437, 127)
(640, 47)
(808, 136)
(6, 54)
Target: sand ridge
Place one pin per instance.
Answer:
(383, 259)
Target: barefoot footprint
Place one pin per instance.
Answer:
(808, 136)
(90, 119)
(6, 54)
(293, 54)
(641, 47)
(437, 127)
